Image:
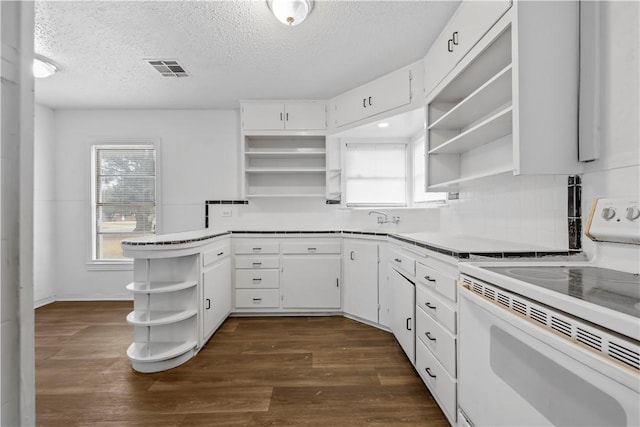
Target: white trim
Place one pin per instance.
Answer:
(43, 301)
(91, 263)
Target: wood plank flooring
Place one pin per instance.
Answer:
(263, 371)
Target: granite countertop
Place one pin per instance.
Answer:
(458, 246)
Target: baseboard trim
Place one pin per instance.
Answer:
(43, 301)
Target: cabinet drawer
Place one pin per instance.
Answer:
(470, 22)
(402, 262)
(440, 342)
(258, 279)
(216, 252)
(442, 386)
(257, 246)
(257, 298)
(311, 247)
(436, 280)
(436, 307)
(257, 262)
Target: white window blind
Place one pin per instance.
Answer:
(376, 174)
(124, 196)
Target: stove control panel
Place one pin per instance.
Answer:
(614, 220)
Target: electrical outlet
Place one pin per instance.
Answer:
(227, 213)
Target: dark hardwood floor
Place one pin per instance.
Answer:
(266, 371)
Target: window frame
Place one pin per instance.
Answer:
(127, 263)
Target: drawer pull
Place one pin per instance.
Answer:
(351, 256)
(450, 45)
(220, 253)
(432, 307)
(429, 372)
(257, 300)
(257, 264)
(257, 249)
(312, 249)
(397, 260)
(208, 307)
(454, 38)
(257, 279)
(428, 335)
(429, 279)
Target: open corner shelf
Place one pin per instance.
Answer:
(159, 287)
(159, 317)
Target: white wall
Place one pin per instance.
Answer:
(199, 162)
(44, 227)
(617, 172)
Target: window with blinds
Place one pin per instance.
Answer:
(376, 174)
(124, 196)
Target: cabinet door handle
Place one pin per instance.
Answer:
(256, 264)
(287, 115)
(208, 307)
(257, 300)
(280, 116)
(454, 38)
(370, 104)
(337, 282)
(397, 260)
(312, 249)
(364, 102)
(432, 307)
(257, 279)
(450, 45)
(428, 335)
(429, 373)
(429, 279)
(351, 256)
(408, 323)
(257, 249)
(220, 253)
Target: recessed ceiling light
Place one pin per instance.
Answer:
(383, 125)
(43, 67)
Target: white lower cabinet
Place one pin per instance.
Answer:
(403, 312)
(360, 274)
(257, 298)
(436, 378)
(216, 285)
(310, 281)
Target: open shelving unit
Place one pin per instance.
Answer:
(284, 166)
(471, 119)
(165, 312)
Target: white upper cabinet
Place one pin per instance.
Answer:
(509, 104)
(471, 21)
(384, 94)
(294, 116)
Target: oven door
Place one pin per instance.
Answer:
(514, 373)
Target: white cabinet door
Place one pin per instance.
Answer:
(361, 279)
(263, 116)
(470, 22)
(403, 313)
(310, 281)
(217, 296)
(384, 94)
(305, 116)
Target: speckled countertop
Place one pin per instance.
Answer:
(458, 246)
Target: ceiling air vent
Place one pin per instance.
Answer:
(168, 68)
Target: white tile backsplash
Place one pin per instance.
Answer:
(520, 209)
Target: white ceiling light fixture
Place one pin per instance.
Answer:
(291, 12)
(43, 67)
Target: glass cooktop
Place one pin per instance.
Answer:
(612, 289)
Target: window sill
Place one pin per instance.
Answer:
(110, 266)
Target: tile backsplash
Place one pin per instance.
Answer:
(521, 209)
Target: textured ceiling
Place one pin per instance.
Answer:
(232, 50)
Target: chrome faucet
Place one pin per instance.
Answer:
(383, 218)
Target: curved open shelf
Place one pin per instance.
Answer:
(156, 287)
(157, 317)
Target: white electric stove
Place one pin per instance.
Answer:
(553, 343)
